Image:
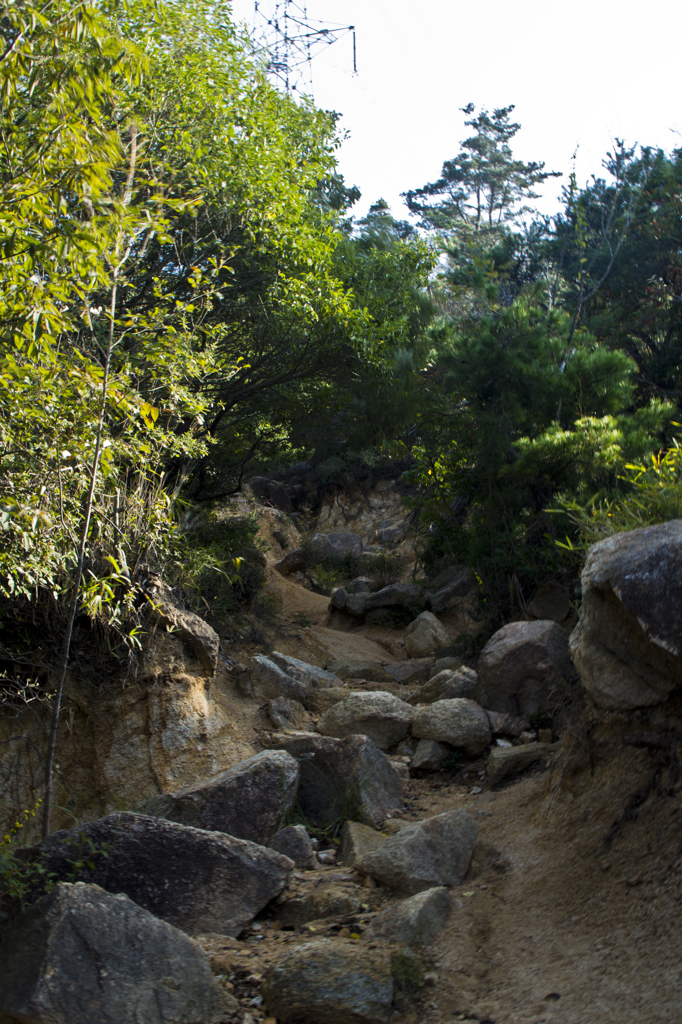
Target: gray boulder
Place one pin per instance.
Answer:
(295, 843)
(338, 544)
(81, 954)
(316, 904)
(447, 685)
(524, 667)
(338, 598)
(356, 604)
(295, 561)
(195, 880)
(416, 921)
(394, 596)
(248, 801)
(312, 677)
(346, 778)
(202, 639)
(507, 725)
(551, 600)
(381, 716)
(429, 755)
(410, 672)
(286, 713)
(329, 981)
(346, 668)
(450, 589)
(269, 681)
(356, 840)
(459, 722)
(505, 762)
(428, 853)
(424, 635)
(627, 646)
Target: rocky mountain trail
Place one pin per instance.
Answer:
(353, 834)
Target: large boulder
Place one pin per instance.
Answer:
(416, 921)
(81, 954)
(524, 668)
(381, 716)
(280, 675)
(428, 853)
(202, 639)
(248, 801)
(329, 981)
(627, 646)
(447, 685)
(460, 722)
(450, 589)
(295, 843)
(504, 762)
(337, 544)
(397, 595)
(342, 779)
(356, 840)
(424, 635)
(195, 880)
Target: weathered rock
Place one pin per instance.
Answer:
(332, 901)
(270, 681)
(425, 854)
(201, 638)
(424, 635)
(338, 544)
(459, 722)
(248, 801)
(286, 713)
(384, 718)
(450, 588)
(346, 778)
(319, 701)
(356, 604)
(312, 677)
(396, 595)
(81, 954)
(198, 881)
(416, 921)
(362, 585)
(507, 761)
(295, 561)
(329, 981)
(429, 755)
(507, 725)
(356, 840)
(295, 843)
(627, 646)
(447, 685)
(551, 600)
(523, 668)
(349, 669)
(410, 672)
(338, 598)
(443, 663)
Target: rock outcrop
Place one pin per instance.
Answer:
(423, 855)
(459, 722)
(342, 778)
(329, 981)
(82, 954)
(381, 716)
(249, 801)
(523, 668)
(627, 646)
(195, 880)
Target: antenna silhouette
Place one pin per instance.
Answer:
(283, 30)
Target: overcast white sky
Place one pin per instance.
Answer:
(580, 73)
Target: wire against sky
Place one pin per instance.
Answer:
(292, 40)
